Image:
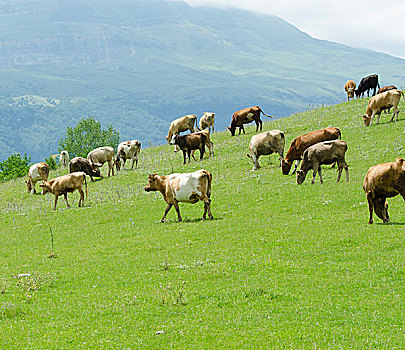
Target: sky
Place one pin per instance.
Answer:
(372, 24)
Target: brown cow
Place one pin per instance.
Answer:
(381, 102)
(189, 188)
(37, 172)
(190, 142)
(82, 164)
(246, 116)
(326, 152)
(384, 181)
(350, 86)
(65, 184)
(302, 142)
(181, 124)
(386, 88)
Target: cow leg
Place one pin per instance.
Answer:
(378, 118)
(184, 157)
(176, 206)
(297, 162)
(347, 171)
(66, 200)
(340, 169)
(261, 124)
(207, 207)
(370, 207)
(320, 174)
(202, 149)
(396, 112)
(169, 206)
(56, 201)
(81, 200)
(189, 155)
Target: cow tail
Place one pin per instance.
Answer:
(209, 179)
(269, 116)
(339, 134)
(85, 184)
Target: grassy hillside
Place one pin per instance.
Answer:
(281, 266)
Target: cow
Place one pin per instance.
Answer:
(65, 184)
(302, 142)
(384, 181)
(181, 124)
(188, 187)
(381, 102)
(207, 121)
(82, 164)
(64, 159)
(189, 142)
(350, 86)
(208, 143)
(246, 116)
(326, 152)
(386, 88)
(37, 172)
(367, 83)
(97, 157)
(127, 150)
(266, 143)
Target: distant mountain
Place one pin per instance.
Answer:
(137, 64)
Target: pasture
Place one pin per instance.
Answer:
(281, 266)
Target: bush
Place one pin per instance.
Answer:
(14, 167)
(51, 163)
(86, 136)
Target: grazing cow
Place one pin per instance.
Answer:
(207, 121)
(181, 124)
(381, 102)
(367, 83)
(265, 144)
(97, 157)
(188, 143)
(65, 184)
(384, 181)
(127, 150)
(326, 152)
(189, 188)
(37, 172)
(82, 164)
(64, 159)
(246, 116)
(386, 88)
(350, 86)
(302, 142)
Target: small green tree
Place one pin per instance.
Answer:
(51, 163)
(14, 167)
(86, 136)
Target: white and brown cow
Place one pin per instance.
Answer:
(266, 143)
(64, 159)
(127, 150)
(350, 87)
(327, 152)
(384, 181)
(188, 188)
(97, 157)
(381, 102)
(37, 172)
(207, 121)
(65, 184)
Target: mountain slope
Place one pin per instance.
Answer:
(140, 64)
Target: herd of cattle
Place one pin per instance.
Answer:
(312, 149)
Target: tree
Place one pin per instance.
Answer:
(86, 136)
(14, 167)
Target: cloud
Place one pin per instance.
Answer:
(372, 24)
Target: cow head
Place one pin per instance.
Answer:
(117, 162)
(46, 187)
(350, 92)
(174, 139)
(301, 174)
(153, 184)
(232, 129)
(285, 167)
(366, 120)
(357, 92)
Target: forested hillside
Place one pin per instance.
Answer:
(139, 64)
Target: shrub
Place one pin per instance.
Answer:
(51, 163)
(14, 166)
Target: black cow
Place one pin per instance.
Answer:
(367, 83)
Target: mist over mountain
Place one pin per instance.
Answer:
(140, 64)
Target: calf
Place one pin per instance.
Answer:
(381, 102)
(82, 164)
(302, 142)
(97, 157)
(326, 152)
(266, 143)
(65, 184)
(207, 121)
(246, 116)
(127, 150)
(189, 188)
(381, 182)
(190, 142)
(64, 159)
(367, 83)
(350, 86)
(37, 172)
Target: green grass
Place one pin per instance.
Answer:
(281, 266)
